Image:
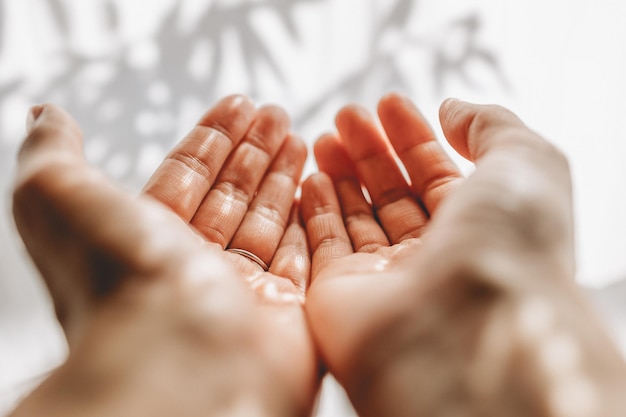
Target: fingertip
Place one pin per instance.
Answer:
(392, 95)
(324, 145)
(293, 154)
(233, 107)
(451, 101)
(333, 159)
(49, 158)
(299, 146)
(472, 128)
(32, 116)
(315, 191)
(391, 101)
(313, 181)
(238, 102)
(447, 108)
(51, 113)
(454, 119)
(325, 138)
(351, 114)
(397, 113)
(52, 129)
(275, 113)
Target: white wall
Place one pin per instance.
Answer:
(136, 76)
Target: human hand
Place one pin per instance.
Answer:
(160, 320)
(451, 296)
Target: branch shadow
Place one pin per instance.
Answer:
(128, 90)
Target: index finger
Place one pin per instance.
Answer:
(184, 178)
(433, 174)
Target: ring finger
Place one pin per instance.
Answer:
(264, 223)
(365, 232)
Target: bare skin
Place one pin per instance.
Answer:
(437, 296)
(160, 319)
(450, 296)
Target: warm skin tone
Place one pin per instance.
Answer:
(452, 296)
(458, 297)
(160, 320)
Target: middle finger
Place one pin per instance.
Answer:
(397, 208)
(264, 224)
(226, 204)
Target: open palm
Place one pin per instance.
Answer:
(363, 249)
(415, 288)
(233, 181)
(142, 285)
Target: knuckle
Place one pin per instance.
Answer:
(219, 128)
(191, 162)
(239, 190)
(271, 211)
(259, 141)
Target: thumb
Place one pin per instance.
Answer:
(51, 150)
(475, 130)
(496, 139)
(84, 234)
(52, 137)
(521, 188)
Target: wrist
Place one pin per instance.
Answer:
(63, 395)
(489, 352)
(137, 372)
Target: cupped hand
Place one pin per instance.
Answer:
(437, 295)
(160, 319)
(233, 180)
(361, 241)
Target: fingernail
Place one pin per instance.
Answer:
(32, 116)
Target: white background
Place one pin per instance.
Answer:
(136, 74)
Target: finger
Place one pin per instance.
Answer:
(60, 200)
(521, 180)
(397, 208)
(53, 137)
(365, 232)
(490, 132)
(226, 204)
(481, 131)
(321, 213)
(52, 147)
(293, 259)
(433, 174)
(188, 172)
(264, 224)
(80, 230)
